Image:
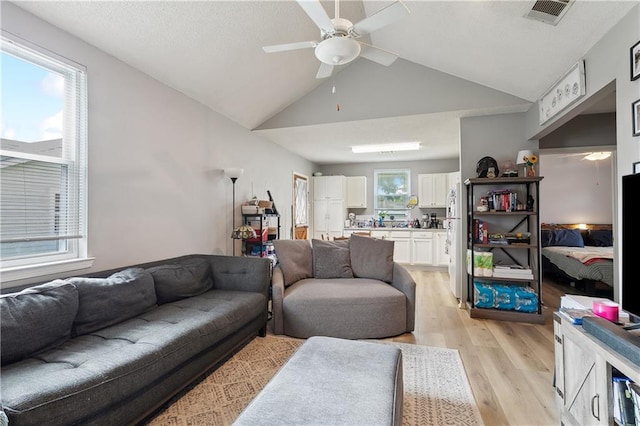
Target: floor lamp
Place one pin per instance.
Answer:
(233, 174)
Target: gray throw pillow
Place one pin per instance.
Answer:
(187, 278)
(331, 259)
(108, 301)
(36, 319)
(371, 258)
(295, 259)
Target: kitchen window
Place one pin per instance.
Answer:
(43, 173)
(392, 188)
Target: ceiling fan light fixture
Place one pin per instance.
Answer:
(594, 156)
(337, 50)
(387, 147)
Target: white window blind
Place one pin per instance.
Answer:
(43, 167)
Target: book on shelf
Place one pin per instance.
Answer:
(480, 232)
(512, 267)
(513, 271)
(574, 315)
(501, 274)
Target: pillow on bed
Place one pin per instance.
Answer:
(561, 237)
(599, 238)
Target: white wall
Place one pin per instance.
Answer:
(575, 190)
(156, 187)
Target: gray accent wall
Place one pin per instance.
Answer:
(608, 62)
(404, 88)
(589, 130)
(497, 136)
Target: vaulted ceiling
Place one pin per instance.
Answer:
(456, 58)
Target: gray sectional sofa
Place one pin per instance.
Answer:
(111, 348)
(350, 289)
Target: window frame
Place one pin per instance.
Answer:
(74, 160)
(398, 213)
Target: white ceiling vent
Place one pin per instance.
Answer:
(549, 11)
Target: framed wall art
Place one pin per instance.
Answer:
(635, 117)
(635, 61)
(636, 167)
(563, 93)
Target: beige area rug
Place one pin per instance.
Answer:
(436, 389)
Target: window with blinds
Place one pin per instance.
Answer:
(43, 164)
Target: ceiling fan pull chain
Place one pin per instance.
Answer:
(334, 92)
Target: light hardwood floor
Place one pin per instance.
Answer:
(509, 365)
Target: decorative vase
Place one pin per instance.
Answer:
(531, 171)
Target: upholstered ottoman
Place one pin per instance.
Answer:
(331, 381)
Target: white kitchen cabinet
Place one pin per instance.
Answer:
(432, 190)
(422, 248)
(379, 234)
(356, 192)
(328, 218)
(329, 187)
(401, 246)
(329, 206)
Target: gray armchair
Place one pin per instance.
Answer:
(349, 289)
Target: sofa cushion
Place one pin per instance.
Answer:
(371, 258)
(188, 278)
(331, 259)
(349, 308)
(108, 301)
(295, 258)
(36, 319)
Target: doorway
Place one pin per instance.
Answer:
(300, 212)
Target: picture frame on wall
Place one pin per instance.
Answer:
(635, 114)
(635, 61)
(636, 167)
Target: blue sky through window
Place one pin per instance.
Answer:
(31, 100)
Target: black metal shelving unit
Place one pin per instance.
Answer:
(263, 221)
(506, 221)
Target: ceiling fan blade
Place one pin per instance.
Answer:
(381, 18)
(289, 46)
(377, 55)
(325, 70)
(318, 15)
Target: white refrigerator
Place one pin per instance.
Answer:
(454, 236)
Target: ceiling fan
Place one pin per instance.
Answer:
(338, 43)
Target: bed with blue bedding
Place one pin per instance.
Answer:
(581, 258)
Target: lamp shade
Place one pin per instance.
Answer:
(243, 232)
(523, 156)
(233, 173)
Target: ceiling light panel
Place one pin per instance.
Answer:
(387, 147)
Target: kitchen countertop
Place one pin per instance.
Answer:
(392, 229)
